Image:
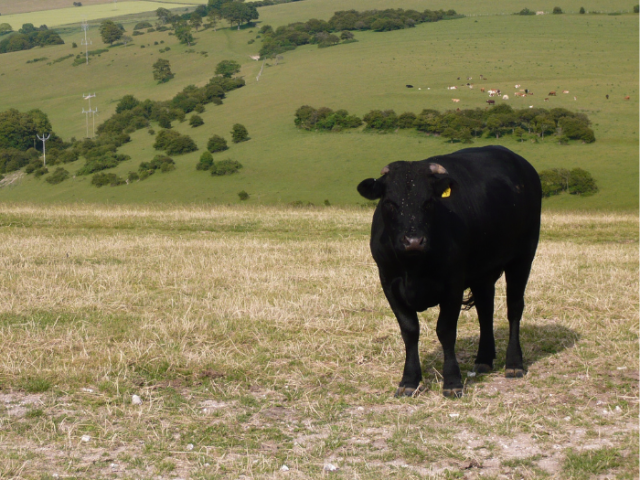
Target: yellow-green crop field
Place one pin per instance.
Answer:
(74, 15)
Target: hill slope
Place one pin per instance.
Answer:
(283, 164)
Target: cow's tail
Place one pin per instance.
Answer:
(469, 302)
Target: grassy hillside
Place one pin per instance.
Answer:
(282, 164)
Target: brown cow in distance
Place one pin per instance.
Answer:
(552, 94)
(491, 102)
(627, 97)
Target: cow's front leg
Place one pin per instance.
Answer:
(446, 329)
(410, 330)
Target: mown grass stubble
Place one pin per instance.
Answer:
(258, 337)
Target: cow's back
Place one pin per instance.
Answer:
(496, 203)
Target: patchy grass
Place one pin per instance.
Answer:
(258, 337)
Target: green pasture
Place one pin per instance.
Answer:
(293, 12)
(589, 55)
(71, 15)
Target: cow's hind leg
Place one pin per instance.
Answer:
(446, 329)
(483, 296)
(517, 275)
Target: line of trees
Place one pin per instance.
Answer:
(458, 126)
(29, 37)
(323, 33)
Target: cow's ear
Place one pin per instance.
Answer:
(371, 189)
(444, 187)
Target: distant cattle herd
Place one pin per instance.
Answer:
(494, 92)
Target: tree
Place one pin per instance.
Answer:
(162, 71)
(110, 32)
(238, 13)
(346, 35)
(227, 68)
(195, 20)
(183, 33)
(27, 28)
(196, 121)
(164, 16)
(217, 144)
(127, 102)
(214, 17)
(557, 10)
(582, 11)
(206, 161)
(243, 195)
(5, 28)
(239, 133)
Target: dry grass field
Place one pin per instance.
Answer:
(259, 337)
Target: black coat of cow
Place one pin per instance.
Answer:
(446, 224)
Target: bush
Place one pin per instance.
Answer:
(581, 183)
(174, 143)
(164, 121)
(225, 167)
(557, 10)
(576, 182)
(526, 11)
(206, 161)
(243, 195)
(58, 176)
(159, 162)
(141, 25)
(239, 133)
(405, 120)
(128, 102)
(217, 144)
(636, 8)
(582, 11)
(133, 176)
(102, 179)
(196, 121)
(381, 120)
(40, 171)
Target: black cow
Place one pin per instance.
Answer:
(446, 224)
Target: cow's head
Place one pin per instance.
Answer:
(410, 194)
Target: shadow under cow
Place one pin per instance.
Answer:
(537, 342)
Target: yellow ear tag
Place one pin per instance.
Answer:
(446, 193)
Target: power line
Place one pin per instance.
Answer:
(90, 112)
(44, 139)
(85, 42)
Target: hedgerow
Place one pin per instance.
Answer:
(309, 118)
(462, 125)
(320, 32)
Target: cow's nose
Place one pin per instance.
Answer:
(414, 244)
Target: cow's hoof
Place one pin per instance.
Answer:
(452, 392)
(514, 373)
(481, 368)
(409, 392)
